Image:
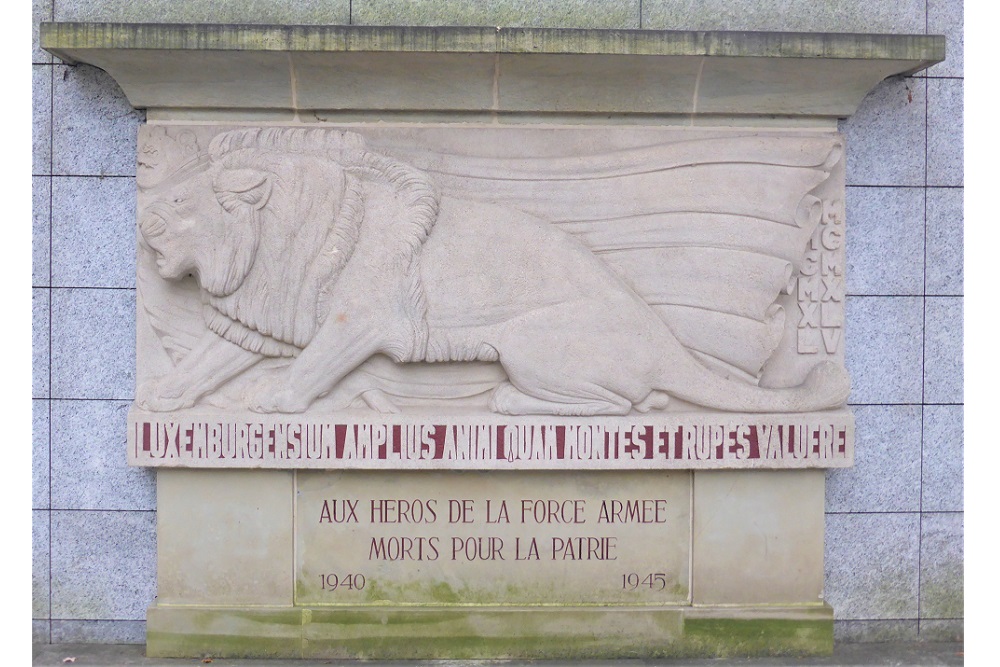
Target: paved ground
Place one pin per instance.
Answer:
(897, 655)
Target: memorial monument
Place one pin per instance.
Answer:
(463, 343)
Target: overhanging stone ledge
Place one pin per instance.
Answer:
(491, 69)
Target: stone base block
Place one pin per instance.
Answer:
(464, 632)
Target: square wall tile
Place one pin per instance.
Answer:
(886, 472)
(944, 374)
(885, 137)
(324, 12)
(851, 632)
(872, 563)
(943, 471)
(94, 126)
(41, 10)
(40, 631)
(945, 131)
(40, 314)
(942, 631)
(885, 243)
(942, 568)
(41, 119)
(40, 570)
(905, 16)
(39, 454)
(98, 632)
(41, 189)
(945, 241)
(93, 232)
(620, 14)
(93, 343)
(89, 466)
(103, 564)
(884, 348)
(947, 17)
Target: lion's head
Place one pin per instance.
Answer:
(266, 218)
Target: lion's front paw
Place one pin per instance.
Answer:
(160, 395)
(270, 396)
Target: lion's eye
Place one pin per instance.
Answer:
(179, 200)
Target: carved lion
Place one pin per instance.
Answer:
(308, 245)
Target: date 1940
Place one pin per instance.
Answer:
(654, 581)
(350, 582)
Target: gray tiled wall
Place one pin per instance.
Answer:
(894, 522)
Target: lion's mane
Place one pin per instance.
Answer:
(309, 223)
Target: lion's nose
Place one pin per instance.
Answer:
(152, 225)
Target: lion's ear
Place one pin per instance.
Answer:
(242, 187)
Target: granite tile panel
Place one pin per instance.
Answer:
(93, 232)
(98, 632)
(942, 570)
(41, 190)
(614, 14)
(40, 544)
(906, 16)
(885, 249)
(945, 241)
(945, 131)
(39, 454)
(884, 348)
(322, 12)
(40, 631)
(41, 119)
(40, 314)
(103, 564)
(886, 472)
(947, 17)
(952, 630)
(851, 632)
(41, 10)
(872, 563)
(942, 488)
(93, 343)
(885, 137)
(89, 467)
(94, 126)
(944, 374)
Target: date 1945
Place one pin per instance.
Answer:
(654, 581)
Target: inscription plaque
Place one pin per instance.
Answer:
(364, 538)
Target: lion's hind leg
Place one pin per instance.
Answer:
(509, 400)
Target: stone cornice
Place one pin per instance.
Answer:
(489, 69)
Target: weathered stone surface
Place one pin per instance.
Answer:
(40, 318)
(41, 191)
(40, 568)
(201, 515)
(41, 119)
(98, 632)
(40, 454)
(764, 525)
(221, 11)
(948, 17)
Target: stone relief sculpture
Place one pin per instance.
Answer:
(280, 266)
